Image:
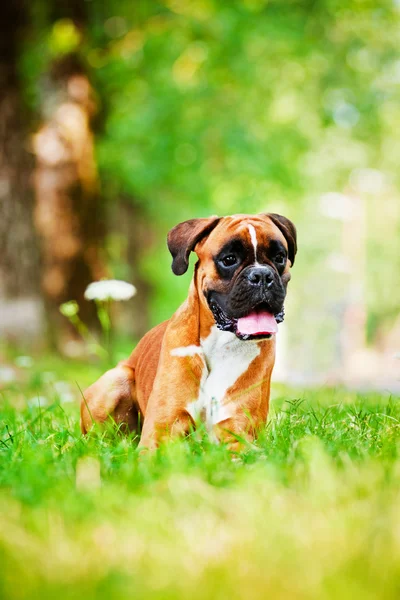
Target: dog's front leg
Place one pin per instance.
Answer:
(177, 385)
(248, 412)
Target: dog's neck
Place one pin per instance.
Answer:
(221, 347)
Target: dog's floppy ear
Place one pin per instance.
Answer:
(289, 231)
(183, 238)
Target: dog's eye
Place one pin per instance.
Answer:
(280, 258)
(229, 261)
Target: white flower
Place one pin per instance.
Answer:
(110, 289)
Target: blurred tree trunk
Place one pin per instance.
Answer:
(131, 236)
(68, 213)
(20, 304)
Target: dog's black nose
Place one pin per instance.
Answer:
(260, 276)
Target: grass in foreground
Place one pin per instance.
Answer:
(312, 511)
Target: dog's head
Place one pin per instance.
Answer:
(243, 268)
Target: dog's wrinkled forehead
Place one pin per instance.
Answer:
(206, 236)
(255, 233)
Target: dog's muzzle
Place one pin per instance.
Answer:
(254, 305)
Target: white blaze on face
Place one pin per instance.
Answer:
(253, 237)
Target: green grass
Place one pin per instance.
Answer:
(311, 511)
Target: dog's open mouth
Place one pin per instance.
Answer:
(259, 323)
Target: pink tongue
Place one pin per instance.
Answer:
(256, 323)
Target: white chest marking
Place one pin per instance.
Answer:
(226, 359)
(253, 237)
(187, 350)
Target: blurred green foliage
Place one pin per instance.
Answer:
(215, 107)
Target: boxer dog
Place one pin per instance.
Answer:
(212, 361)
